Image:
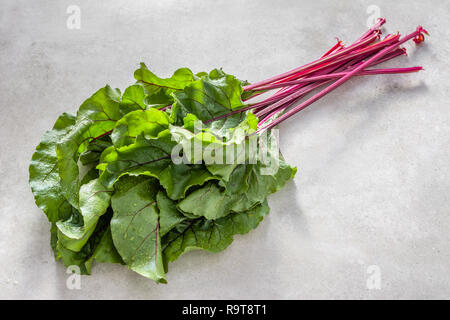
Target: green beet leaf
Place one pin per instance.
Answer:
(94, 150)
(159, 90)
(99, 247)
(148, 122)
(133, 99)
(142, 177)
(214, 95)
(96, 116)
(152, 157)
(135, 226)
(211, 235)
(94, 201)
(44, 172)
(169, 216)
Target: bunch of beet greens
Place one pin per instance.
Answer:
(170, 164)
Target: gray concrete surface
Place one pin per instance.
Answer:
(372, 193)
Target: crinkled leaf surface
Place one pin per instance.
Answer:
(210, 97)
(177, 179)
(210, 235)
(96, 116)
(149, 123)
(260, 185)
(159, 90)
(134, 205)
(152, 157)
(44, 173)
(243, 188)
(169, 216)
(216, 148)
(133, 98)
(98, 247)
(215, 202)
(94, 150)
(144, 157)
(94, 201)
(105, 252)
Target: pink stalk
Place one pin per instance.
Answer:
(377, 26)
(341, 74)
(280, 109)
(350, 64)
(280, 95)
(284, 93)
(304, 74)
(371, 35)
(287, 100)
(314, 63)
(359, 45)
(352, 55)
(274, 112)
(276, 108)
(336, 47)
(415, 35)
(273, 109)
(290, 98)
(306, 71)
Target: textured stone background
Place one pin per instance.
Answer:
(374, 156)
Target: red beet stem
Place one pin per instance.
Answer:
(339, 82)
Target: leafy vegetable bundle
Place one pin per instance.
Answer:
(127, 179)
